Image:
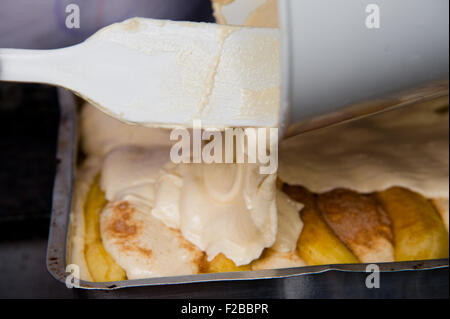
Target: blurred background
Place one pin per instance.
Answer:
(29, 118)
(29, 24)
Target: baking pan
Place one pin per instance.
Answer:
(418, 279)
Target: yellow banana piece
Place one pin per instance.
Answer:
(101, 265)
(419, 232)
(220, 263)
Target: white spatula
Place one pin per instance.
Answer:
(163, 73)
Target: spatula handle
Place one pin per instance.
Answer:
(36, 66)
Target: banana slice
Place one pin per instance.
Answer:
(220, 263)
(144, 246)
(360, 222)
(317, 244)
(100, 264)
(419, 233)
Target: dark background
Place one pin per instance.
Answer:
(29, 118)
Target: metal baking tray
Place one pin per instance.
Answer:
(418, 279)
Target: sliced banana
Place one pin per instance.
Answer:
(419, 233)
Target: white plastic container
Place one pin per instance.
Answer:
(344, 59)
